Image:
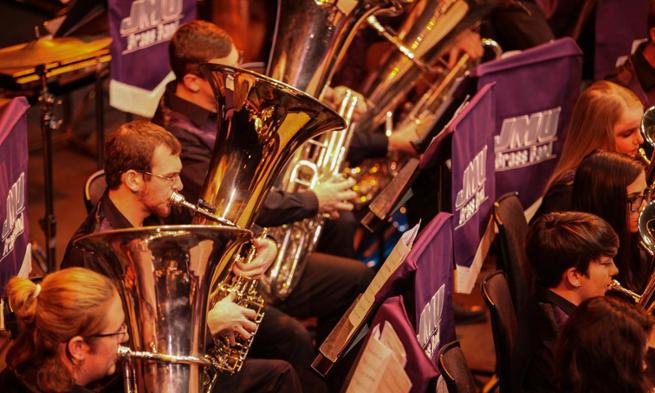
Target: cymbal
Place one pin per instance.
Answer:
(48, 50)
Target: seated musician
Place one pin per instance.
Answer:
(570, 255)
(329, 284)
(605, 116)
(602, 348)
(613, 187)
(142, 169)
(71, 325)
(187, 110)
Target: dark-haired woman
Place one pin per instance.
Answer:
(71, 325)
(602, 348)
(613, 187)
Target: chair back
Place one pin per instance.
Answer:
(454, 370)
(496, 294)
(513, 260)
(94, 186)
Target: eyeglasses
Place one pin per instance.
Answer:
(636, 201)
(172, 178)
(120, 332)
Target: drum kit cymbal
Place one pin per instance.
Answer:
(36, 64)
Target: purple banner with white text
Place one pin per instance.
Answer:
(15, 250)
(432, 254)
(473, 182)
(140, 32)
(535, 93)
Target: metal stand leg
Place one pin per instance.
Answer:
(48, 125)
(100, 119)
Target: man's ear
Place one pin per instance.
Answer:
(132, 180)
(190, 82)
(573, 277)
(77, 349)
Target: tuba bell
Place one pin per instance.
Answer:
(163, 275)
(261, 122)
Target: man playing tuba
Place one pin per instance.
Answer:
(142, 170)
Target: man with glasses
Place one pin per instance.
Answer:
(142, 169)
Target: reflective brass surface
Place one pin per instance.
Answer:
(261, 122)
(312, 36)
(428, 28)
(163, 276)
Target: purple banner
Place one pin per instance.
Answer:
(15, 255)
(140, 31)
(473, 181)
(613, 39)
(421, 371)
(535, 93)
(432, 256)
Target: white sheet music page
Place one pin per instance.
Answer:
(390, 265)
(382, 365)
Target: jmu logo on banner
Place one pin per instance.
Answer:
(150, 23)
(472, 195)
(14, 224)
(429, 322)
(526, 140)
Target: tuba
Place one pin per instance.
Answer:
(261, 122)
(163, 275)
(311, 39)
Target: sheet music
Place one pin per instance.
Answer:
(390, 265)
(382, 365)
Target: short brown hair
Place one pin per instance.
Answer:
(562, 240)
(71, 302)
(194, 43)
(131, 146)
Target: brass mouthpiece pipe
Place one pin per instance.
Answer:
(616, 286)
(178, 199)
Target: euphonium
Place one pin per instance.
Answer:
(429, 27)
(261, 122)
(320, 159)
(163, 275)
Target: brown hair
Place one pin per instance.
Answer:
(562, 240)
(194, 43)
(71, 302)
(131, 146)
(596, 112)
(602, 348)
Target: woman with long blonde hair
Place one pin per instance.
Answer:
(606, 116)
(71, 325)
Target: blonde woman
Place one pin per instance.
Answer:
(606, 116)
(71, 325)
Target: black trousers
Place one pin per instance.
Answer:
(327, 288)
(260, 376)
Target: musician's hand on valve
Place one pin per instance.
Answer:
(335, 95)
(469, 42)
(229, 319)
(333, 195)
(265, 253)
